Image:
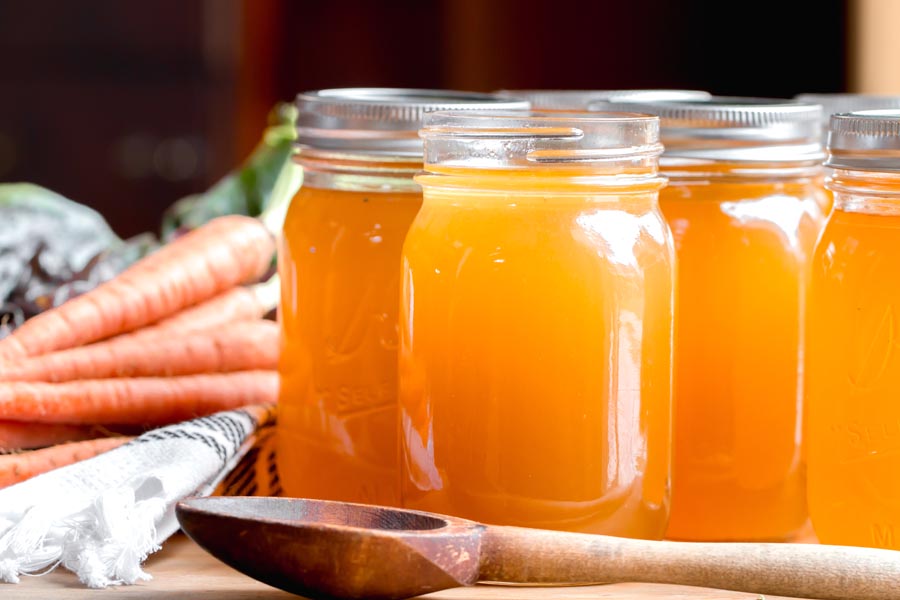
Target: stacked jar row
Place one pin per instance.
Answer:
(485, 313)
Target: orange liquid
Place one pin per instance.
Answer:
(853, 379)
(339, 266)
(744, 251)
(535, 363)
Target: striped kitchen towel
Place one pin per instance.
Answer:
(103, 516)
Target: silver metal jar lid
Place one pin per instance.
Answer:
(381, 120)
(845, 103)
(733, 128)
(580, 99)
(867, 140)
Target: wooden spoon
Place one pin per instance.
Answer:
(324, 549)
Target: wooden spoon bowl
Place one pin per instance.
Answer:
(335, 554)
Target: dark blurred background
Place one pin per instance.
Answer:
(127, 106)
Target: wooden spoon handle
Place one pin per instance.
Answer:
(513, 554)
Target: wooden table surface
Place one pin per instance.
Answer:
(182, 570)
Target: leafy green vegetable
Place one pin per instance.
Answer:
(246, 191)
(34, 216)
(51, 249)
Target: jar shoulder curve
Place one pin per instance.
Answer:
(313, 208)
(791, 215)
(618, 236)
(851, 238)
(720, 190)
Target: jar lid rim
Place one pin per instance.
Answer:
(866, 140)
(719, 111)
(580, 99)
(733, 127)
(381, 119)
(845, 102)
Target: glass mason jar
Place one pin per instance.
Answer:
(581, 99)
(745, 203)
(852, 362)
(536, 324)
(339, 264)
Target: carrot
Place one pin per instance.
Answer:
(21, 466)
(223, 253)
(25, 436)
(237, 304)
(248, 346)
(143, 401)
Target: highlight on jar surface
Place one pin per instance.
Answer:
(579, 100)
(536, 324)
(853, 364)
(745, 205)
(339, 265)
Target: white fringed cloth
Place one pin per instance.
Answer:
(102, 517)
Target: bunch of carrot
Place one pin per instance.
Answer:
(176, 335)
